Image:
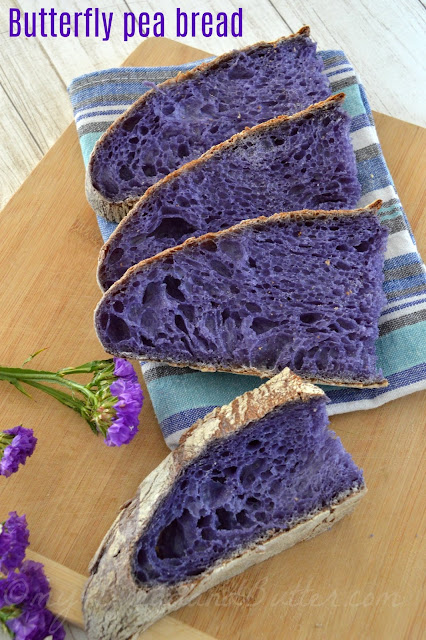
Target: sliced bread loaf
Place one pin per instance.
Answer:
(248, 481)
(301, 289)
(304, 161)
(185, 116)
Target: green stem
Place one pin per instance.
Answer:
(104, 378)
(24, 375)
(64, 398)
(67, 400)
(96, 394)
(77, 387)
(88, 367)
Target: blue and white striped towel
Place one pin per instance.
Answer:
(181, 396)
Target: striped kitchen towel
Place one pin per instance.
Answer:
(181, 396)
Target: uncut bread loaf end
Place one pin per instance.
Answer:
(304, 161)
(248, 481)
(186, 115)
(300, 290)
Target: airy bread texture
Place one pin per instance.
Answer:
(186, 115)
(300, 289)
(303, 161)
(117, 605)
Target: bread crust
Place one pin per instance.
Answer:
(114, 606)
(114, 211)
(263, 373)
(329, 103)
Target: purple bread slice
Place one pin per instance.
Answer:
(300, 290)
(304, 161)
(248, 481)
(186, 115)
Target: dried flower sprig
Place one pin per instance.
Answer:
(24, 588)
(16, 445)
(110, 403)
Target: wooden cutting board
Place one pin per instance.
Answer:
(362, 579)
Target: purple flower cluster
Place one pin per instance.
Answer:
(24, 588)
(36, 624)
(29, 588)
(16, 445)
(129, 403)
(14, 537)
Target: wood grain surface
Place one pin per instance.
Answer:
(362, 579)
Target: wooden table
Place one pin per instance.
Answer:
(360, 580)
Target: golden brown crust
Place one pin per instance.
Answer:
(115, 607)
(116, 211)
(305, 213)
(211, 235)
(330, 102)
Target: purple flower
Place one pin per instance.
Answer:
(29, 625)
(16, 445)
(120, 433)
(110, 402)
(13, 589)
(123, 369)
(129, 400)
(24, 589)
(129, 403)
(28, 588)
(38, 584)
(53, 627)
(36, 624)
(14, 537)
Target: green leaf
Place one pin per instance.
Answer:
(33, 355)
(64, 398)
(20, 388)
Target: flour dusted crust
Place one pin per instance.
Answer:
(263, 373)
(116, 211)
(114, 606)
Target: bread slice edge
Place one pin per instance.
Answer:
(117, 608)
(114, 211)
(373, 208)
(332, 102)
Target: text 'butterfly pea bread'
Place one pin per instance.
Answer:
(186, 115)
(300, 290)
(249, 480)
(303, 161)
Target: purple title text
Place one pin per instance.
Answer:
(94, 23)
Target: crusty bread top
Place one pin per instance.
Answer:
(304, 32)
(114, 605)
(248, 132)
(305, 213)
(373, 207)
(253, 405)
